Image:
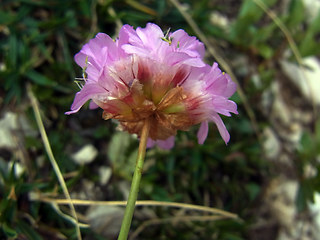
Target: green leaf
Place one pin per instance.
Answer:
(305, 194)
(243, 30)
(253, 190)
(231, 236)
(28, 231)
(264, 33)
(296, 13)
(307, 147)
(265, 51)
(9, 232)
(6, 17)
(317, 133)
(13, 51)
(39, 78)
(309, 45)
(85, 8)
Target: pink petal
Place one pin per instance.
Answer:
(150, 143)
(203, 132)
(150, 35)
(166, 144)
(180, 57)
(221, 127)
(131, 49)
(86, 93)
(93, 105)
(187, 44)
(231, 88)
(224, 106)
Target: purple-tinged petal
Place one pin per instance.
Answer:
(150, 143)
(224, 106)
(93, 105)
(166, 144)
(97, 53)
(203, 132)
(141, 74)
(180, 57)
(216, 81)
(231, 88)
(142, 40)
(123, 39)
(131, 49)
(221, 127)
(93, 69)
(150, 35)
(86, 93)
(187, 44)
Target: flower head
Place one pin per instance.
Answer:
(146, 74)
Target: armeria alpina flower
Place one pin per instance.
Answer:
(146, 74)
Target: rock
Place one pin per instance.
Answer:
(281, 200)
(105, 220)
(312, 8)
(7, 124)
(271, 143)
(308, 83)
(105, 175)
(85, 155)
(10, 123)
(217, 19)
(315, 210)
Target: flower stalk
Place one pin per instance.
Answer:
(126, 222)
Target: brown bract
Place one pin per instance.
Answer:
(168, 116)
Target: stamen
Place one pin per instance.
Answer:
(166, 37)
(78, 82)
(84, 74)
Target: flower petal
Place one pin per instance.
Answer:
(224, 106)
(150, 143)
(187, 44)
(203, 132)
(221, 127)
(150, 36)
(174, 58)
(93, 105)
(166, 144)
(86, 93)
(231, 88)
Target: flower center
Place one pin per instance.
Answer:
(147, 90)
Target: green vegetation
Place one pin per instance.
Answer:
(37, 42)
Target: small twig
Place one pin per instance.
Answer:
(46, 143)
(212, 50)
(140, 203)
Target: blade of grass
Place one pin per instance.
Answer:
(141, 7)
(35, 106)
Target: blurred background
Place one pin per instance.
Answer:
(268, 174)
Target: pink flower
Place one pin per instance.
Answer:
(145, 74)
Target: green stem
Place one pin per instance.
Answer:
(126, 222)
